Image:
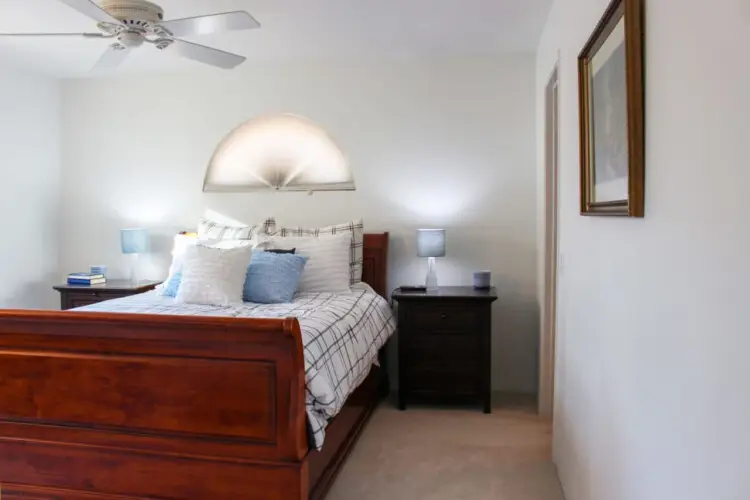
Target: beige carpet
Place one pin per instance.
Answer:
(435, 454)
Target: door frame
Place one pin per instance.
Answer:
(551, 246)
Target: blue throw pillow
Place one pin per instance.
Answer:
(272, 278)
(173, 285)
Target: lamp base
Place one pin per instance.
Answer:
(134, 277)
(431, 282)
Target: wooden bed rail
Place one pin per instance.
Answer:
(127, 406)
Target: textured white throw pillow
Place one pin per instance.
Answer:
(182, 242)
(327, 268)
(213, 276)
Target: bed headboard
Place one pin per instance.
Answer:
(375, 265)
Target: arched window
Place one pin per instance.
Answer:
(282, 152)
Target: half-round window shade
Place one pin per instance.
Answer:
(282, 152)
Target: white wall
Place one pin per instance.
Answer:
(432, 143)
(652, 400)
(29, 189)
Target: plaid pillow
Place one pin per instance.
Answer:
(357, 230)
(212, 230)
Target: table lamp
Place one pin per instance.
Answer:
(134, 242)
(431, 244)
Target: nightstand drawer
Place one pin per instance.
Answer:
(98, 294)
(445, 381)
(109, 296)
(81, 301)
(431, 346)
(86, 298)
(454, 367)
(446, 317)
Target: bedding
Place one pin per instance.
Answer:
(272, 278)
(215, 234)
(327, 269)
(212, 230)
(341, 335)
(171, 285)
(355, 230)
(281, 250)
(213, 275)
(181, 243)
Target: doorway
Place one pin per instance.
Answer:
(551, 237)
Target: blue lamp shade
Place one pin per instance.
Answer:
(134, 241)
(431, 242)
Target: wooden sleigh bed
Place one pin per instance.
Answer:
(131, 406)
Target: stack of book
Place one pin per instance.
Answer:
(86, 279)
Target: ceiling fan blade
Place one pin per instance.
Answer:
(213, 23)
(111, 59)
(84, 35)
(91, 9)
(206, 55)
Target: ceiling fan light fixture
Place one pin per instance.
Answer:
(129, 39)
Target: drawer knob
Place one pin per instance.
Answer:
(443, 316)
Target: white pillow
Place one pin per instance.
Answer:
(356, 231)
(213, 276)
(327, 268)
(209, 229)
(228, 244)
(182, 242)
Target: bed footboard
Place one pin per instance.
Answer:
(121, 406)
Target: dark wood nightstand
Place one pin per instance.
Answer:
(72, 296)
(444, 345)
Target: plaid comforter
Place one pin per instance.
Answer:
(341, 333)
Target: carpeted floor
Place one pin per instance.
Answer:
(438, 454)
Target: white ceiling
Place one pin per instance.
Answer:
(291, 30)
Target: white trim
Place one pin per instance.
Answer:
(551, 237)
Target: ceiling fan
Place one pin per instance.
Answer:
(131, 23)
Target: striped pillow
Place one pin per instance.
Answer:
(212, 230)
(327, 267)
(355, 228)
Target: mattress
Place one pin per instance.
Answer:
(341, 332)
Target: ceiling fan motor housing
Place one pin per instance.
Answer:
(134, 13)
